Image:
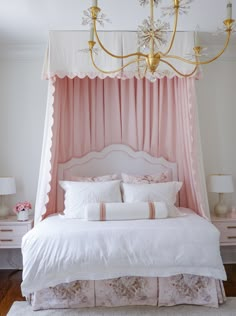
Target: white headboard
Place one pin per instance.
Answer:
(114, 159)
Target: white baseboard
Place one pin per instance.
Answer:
(10, 259)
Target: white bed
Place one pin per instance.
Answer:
(63, 250)
(106, 250)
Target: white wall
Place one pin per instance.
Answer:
(217, 115)
(22, 108)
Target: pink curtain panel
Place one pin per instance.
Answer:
(159, 118)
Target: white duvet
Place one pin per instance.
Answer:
(61, 250)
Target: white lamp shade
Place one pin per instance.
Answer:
(7, 186)
(220, 183)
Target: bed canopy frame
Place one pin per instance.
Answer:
(67, 68)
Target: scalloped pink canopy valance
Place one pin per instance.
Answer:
(65, 55)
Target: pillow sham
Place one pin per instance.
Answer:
(79, 194)
(107, 177)
(126, 211)
(154, 192)
(149, 178)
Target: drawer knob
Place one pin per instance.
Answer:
(231, 237)
(6, 240)
(231, 227)
(6, 230)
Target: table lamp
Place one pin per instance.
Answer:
(7, 187)
(220, 183)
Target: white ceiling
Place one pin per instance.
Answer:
(28, 21)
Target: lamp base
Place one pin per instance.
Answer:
(4, 211)
(220, 210)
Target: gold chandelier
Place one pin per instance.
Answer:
(152, 34)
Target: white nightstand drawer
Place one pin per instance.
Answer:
(10, 242)
(227, 228)
(228, 234)
(13, 230)
(227, 238)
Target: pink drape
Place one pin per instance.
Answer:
(158, 118)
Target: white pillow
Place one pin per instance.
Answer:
(79, 194)
(154, 192)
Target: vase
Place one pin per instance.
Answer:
(23, 215)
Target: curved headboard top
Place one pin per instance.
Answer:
(116, 158)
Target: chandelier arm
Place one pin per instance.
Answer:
(111, 54)
(148, 31)
(174, 31)
(201, 62)
(220, 53)
(111, 71)
(178, 72)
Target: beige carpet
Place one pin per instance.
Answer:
(228, 309)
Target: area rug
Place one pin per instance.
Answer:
(228, 309)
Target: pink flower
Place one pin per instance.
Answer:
(22, 206)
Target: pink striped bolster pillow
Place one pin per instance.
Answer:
(126, 211)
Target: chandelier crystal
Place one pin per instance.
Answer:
(152, 35)
(184, 7)
(145, 33)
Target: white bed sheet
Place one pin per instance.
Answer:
(61, 250)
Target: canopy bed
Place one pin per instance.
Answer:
(121, 215)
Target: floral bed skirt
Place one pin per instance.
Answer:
(168, 291)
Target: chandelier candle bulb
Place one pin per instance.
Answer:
(94, 3)
(229, 10)
(91, 33)
(151, 44)
(196, 38)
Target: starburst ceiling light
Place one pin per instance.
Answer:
(152, 35)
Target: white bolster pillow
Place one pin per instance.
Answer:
(125, 211)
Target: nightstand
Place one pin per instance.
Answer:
(12, 231)
(227, 228)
